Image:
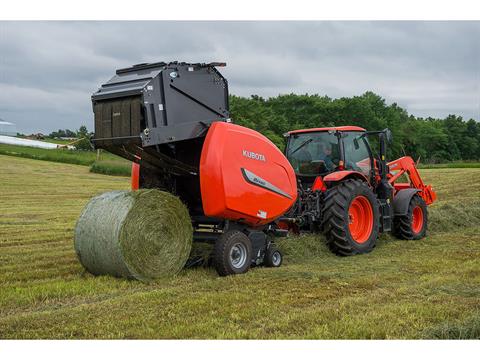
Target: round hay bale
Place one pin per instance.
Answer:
(143, 235)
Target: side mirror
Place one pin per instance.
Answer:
(388, 135)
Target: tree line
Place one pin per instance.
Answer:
(430, 139)
(82, 135)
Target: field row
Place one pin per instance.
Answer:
(403, 289)
(106, 163)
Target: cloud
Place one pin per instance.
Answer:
(48, 70)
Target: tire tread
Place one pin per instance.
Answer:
(402, 225)
(221, 245)
(335, 224)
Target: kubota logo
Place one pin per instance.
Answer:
(253, 155)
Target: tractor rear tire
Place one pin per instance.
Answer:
(413, 225)
(232, 253)
(351, 218)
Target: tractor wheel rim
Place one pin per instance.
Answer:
(360, 214)
(417, 219)
(238, 255)
(276, 258)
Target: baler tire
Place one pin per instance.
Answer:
(223, 249)
(337, 217)
(273, 257)
(411, 226)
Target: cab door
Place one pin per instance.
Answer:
(357, 153)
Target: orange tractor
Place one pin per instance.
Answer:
(350, 192)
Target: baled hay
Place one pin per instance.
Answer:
(144, 235)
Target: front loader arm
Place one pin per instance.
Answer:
(406, 165)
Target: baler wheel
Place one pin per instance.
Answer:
(273, 257)
(233, 253)
(351, 218)
(413, 225)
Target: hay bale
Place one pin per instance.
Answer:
(143, 235)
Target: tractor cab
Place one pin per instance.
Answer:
(323, 151)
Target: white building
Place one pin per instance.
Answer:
(7, 128)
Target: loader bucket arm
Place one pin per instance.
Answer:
(406, 165)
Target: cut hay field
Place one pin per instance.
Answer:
(403, 289)
(108, 164)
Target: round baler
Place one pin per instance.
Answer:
(172, 121)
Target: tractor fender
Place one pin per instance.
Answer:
(402, 200)
(345, 174)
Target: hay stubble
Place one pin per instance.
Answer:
(403, 289)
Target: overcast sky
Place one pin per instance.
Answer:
(48, 70)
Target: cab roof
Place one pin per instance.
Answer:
(335, 128)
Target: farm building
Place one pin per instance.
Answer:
(7, 128)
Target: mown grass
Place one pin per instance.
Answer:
(460, 330)
(108, 164)
(112, 167)
(403, 289)
(58, 141)
(56, 155)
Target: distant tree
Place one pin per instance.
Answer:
(62, 133)
(56, 134)
(84, 139)
(431, 140)
(253, 113)
(70, 133)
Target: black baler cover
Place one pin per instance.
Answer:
(159, 103)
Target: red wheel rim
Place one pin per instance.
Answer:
(417, 219)
(360, 216)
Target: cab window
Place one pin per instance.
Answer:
(357, 156)
(313, 153)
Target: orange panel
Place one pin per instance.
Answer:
(244, 176)
(340, 175)
(407, 165)
(135, 177)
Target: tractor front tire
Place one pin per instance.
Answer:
(233, 253)
(351, 218)
(413, 225)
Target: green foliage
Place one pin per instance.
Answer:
(451, 165)
(108, 164)
(118, 167)
(84, 139)
(431, 140)
(56, 155)
(82, 134)
(63, 133)
(255, 114)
